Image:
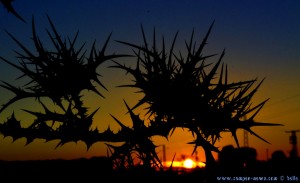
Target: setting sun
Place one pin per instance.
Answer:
(188, 163)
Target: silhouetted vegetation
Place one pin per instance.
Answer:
(7, 4)
(184, 91)
(181, 90)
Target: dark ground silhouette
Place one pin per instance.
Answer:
(57, 169)
(232, 162)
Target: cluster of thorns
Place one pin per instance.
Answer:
(180, 91)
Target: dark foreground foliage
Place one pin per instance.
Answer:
(180, 90)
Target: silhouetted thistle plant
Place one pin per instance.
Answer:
(138, 148)
(179, 91)
(182, 92)
(61, 75)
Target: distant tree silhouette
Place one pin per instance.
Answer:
(180, 91)
(279, 163)
(237, 161)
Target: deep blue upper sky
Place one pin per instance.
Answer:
(244, 28)
(261, 38)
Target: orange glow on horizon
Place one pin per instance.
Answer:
(187, 163)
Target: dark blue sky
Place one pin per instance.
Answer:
(261, 39)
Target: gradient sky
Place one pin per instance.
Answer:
(261, 39)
